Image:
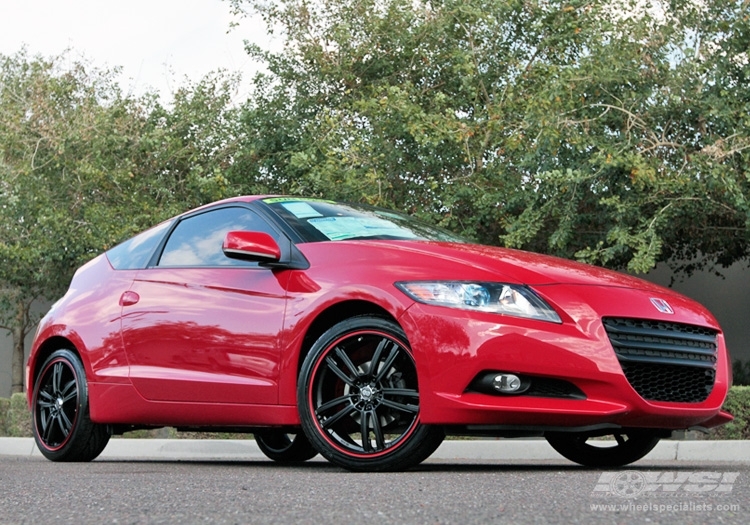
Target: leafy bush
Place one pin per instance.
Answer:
(15, 420)
(737, 404)
(4, 412)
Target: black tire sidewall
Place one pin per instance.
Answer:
(423, 439)
(573, 447)
(296, 450)
(86, 439)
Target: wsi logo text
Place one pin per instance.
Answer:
(632, 483)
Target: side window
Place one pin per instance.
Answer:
(197, 241)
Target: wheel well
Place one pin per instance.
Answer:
(333, 315)
(45, 350)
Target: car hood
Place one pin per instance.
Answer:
(518, 266)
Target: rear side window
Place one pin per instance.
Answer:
(135, 253)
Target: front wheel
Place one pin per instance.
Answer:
(628, 446)
(60, 411)
(285, 447)
(358, 397)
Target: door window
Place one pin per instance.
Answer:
(197, 240)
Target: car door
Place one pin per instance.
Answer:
(198, 326)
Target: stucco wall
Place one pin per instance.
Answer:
(6, 350)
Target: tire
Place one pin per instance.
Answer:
(62, 428)
(360, 380)
(630, 446)
(285, 447)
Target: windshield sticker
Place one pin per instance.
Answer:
(341, 228)
(274, 200)
(301, 210)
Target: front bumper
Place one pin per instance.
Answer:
(452, 347)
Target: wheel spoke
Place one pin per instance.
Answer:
(376, 356)
(65, 423)
(330, 421)
(348, 362)
(332, 403)
(620, 440)
(46, 395)
(378, 431)
(339, 373)
(47, 428)
(57, 371)
(70, 391)
(44, 416)
(388, 363)
(364, 431)
(45, 404)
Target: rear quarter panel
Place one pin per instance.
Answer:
(88, 316)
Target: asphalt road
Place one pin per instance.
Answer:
(36, 491)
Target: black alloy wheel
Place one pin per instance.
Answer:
(285, 447)
(626, 447)
(63, 430)
(358, 396)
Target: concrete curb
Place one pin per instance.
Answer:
(495, 450)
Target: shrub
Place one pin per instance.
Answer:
(15, 420)
(737, 404)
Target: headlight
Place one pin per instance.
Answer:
(508, 299)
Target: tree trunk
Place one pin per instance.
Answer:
(18, 333)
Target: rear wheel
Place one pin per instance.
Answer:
(628, 446)
(358, 397)
(285, 447)
(60, 411)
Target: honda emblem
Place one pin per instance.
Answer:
(662, 306)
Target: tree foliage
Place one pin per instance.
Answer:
(615, 132)
(611, 131)
(82, 167)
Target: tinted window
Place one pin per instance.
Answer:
(320, 220)
(197, 241)
(135, 253)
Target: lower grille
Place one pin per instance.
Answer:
(665, 361)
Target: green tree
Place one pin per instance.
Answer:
(83, 167)
(614, 132)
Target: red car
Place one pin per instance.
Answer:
(365, 336)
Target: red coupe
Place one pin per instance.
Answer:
(365, 336)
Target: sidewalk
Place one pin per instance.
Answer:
(496, 450)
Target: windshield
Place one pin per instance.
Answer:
(321, 220)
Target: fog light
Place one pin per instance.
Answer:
(507, 383)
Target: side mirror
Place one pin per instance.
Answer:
(251, 246)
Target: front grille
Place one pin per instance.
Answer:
(665, 361)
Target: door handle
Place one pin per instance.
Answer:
(129, 298)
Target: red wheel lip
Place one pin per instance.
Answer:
(387, 450)
(39, 439)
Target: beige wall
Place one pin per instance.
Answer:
(728, 298)
(6, 360)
